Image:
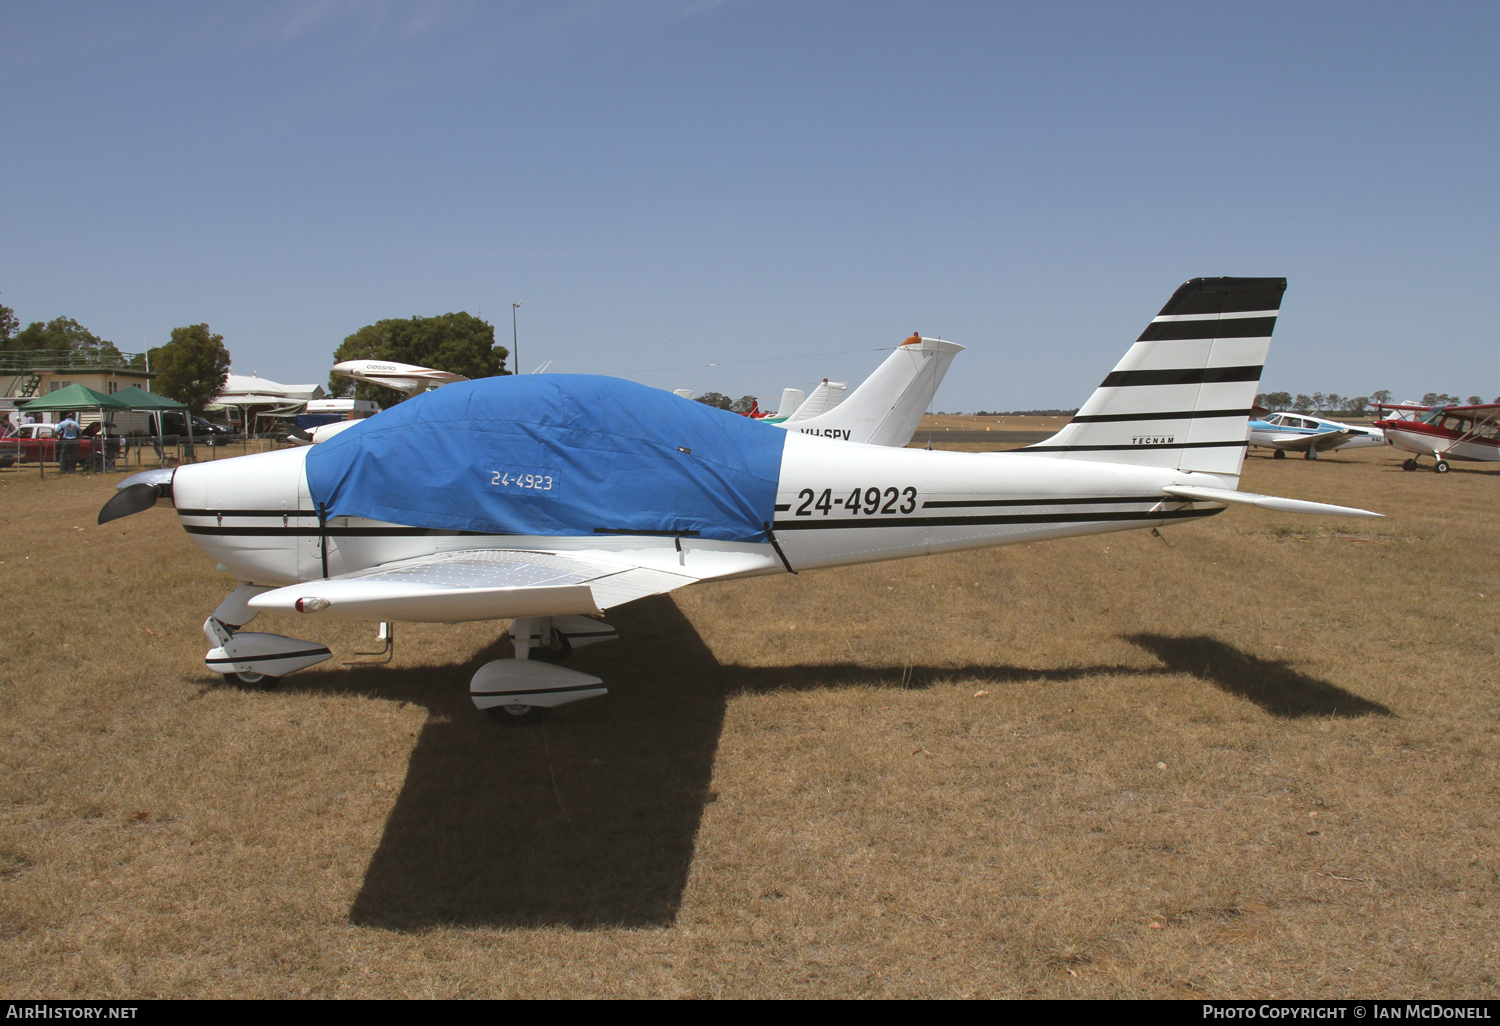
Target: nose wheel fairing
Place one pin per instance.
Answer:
(252, 656)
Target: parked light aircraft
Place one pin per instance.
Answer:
(1309, 435)
(791, 398)
(885, 409)
(1445, 432)
(403, 377)
(547, 500)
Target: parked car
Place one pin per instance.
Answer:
(35, 442)
(173, 428)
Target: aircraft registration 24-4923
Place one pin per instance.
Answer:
(547, 500)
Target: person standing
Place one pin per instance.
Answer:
(67, 446)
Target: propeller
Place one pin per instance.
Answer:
(136, 493)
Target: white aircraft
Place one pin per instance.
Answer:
(547, 500)
(1301, 432)
(887, 407)
(884, 410)
(403, 377)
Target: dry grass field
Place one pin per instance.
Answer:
(1256, 757)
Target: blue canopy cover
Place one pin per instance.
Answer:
(555, 454)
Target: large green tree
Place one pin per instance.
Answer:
(456, 342)
(66, 338)
(192, 367)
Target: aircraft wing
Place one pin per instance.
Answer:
(493, 584)
(1324, 440)
(1483, 408)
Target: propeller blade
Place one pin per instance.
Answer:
(128, 500)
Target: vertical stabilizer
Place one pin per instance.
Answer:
(1182, 396)
(825, 397)
(887, 407)
(791, 398)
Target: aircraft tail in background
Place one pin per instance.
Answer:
(887, 407)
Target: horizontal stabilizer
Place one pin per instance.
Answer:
(1272, 502)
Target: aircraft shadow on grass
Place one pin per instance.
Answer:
(481, 836)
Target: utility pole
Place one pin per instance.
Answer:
(515, 338)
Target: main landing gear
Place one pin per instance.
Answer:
(1441, 466)
(1310, 454)
(1279, 454)
(525, 689)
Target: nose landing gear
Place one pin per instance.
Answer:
(254, 660)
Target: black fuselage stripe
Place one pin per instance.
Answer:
(1181, 376)
(1233, 327)
(1124, 448)
(247, 513)
(312, 531)
(1121, 418)
(794, 525)
(998, 520)
(1089, 501)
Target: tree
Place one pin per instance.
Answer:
(455, 342)
(68, 340)
(1303, 403)
(1356, 404)
(8, 325)
(192, 367)
(1277, 401)
(1476, 400)
(1380, 395)
(744, 404)
(716, 400)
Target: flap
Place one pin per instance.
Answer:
(475, 584)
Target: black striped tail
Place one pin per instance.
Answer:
(1182, 396)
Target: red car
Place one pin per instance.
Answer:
(36, 441)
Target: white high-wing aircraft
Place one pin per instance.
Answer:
(403, 377)
(547, 500)
(1309, 435)
(885, 409)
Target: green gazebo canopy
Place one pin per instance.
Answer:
(137, 398)
(74, 397)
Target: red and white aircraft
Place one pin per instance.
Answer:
(1444, 432)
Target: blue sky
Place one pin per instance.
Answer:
(675, 183)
